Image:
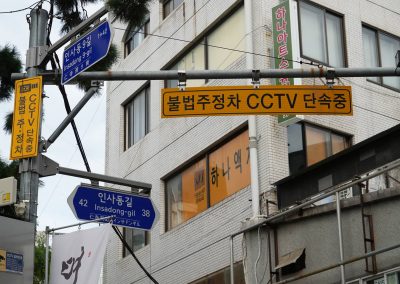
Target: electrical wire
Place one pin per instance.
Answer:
(133, 254)
(162, 149)
(378, 113)
(196, 241)
(184, 23)
(22, 9)
(55, 62)
(225, 48)
(73, 124)
(53, 190)
(383, 7)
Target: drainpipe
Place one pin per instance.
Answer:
(255, 192)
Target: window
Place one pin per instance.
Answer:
(193, 60)
(169, 6)
(215, 176)
(137, 117)
(136, 239)
(321, 35)
(308, 144)
(386, 278)
(206, 54)
(379, 51)
(223, 276)
(135, 36)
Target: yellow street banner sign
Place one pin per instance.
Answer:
(245, 100)
(26, 120)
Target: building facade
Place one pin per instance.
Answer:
(199, 167)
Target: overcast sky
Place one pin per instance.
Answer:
(53, 210)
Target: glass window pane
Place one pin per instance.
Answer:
(392, 278)
(295, 148)
(168, 8)
(223, 36)
(193, 60)
(146, 29)
(389, 47)
(130, 124)
(312, 32)
(177, 2)
(139, 117)
(174, 195)
(136, 118)
(129, 239)
(335, 40)
(339, 143)
(194, 190)
(187, 194)
(139, 239)
(371, 58)
(229, 168)
(317, 147)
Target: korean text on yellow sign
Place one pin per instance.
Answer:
(26, 120)
(244, 100)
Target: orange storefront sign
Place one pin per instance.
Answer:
(194, 190)
(229, 168)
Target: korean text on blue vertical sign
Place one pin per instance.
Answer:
(86, 51)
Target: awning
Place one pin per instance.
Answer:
(289, 258)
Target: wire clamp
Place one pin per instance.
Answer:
(256, 79)
(181, 80)
(330, 77)
(97, 83)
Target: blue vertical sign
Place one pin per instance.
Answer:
(86, 51)
(129, 210)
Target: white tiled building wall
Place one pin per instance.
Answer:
(200, 246)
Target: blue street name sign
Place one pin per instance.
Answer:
(85, 52)
(132, 211)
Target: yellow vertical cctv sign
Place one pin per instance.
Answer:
(26, 120)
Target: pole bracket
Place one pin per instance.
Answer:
(97, 83)
(330, 77)
(255, 78)
(47, 167)
(181, 80)
(35, 56)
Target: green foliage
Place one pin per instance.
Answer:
(8, 119)
(9, 63)
(71, 13)
(133, 12)
(40, 258)
(8, 170)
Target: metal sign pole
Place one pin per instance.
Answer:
(28, 167)
(46, 271)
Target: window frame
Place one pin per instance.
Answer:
(342, 25)
(377, 33)
(125, 251)
(172, 5)
(131, 32)
(326, 130)
(202, 39)
(202, 155)
(145, 88)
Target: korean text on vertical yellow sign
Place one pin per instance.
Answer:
(26, 120)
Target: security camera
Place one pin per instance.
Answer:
(20, 208)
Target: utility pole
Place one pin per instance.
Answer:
(28, 168)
